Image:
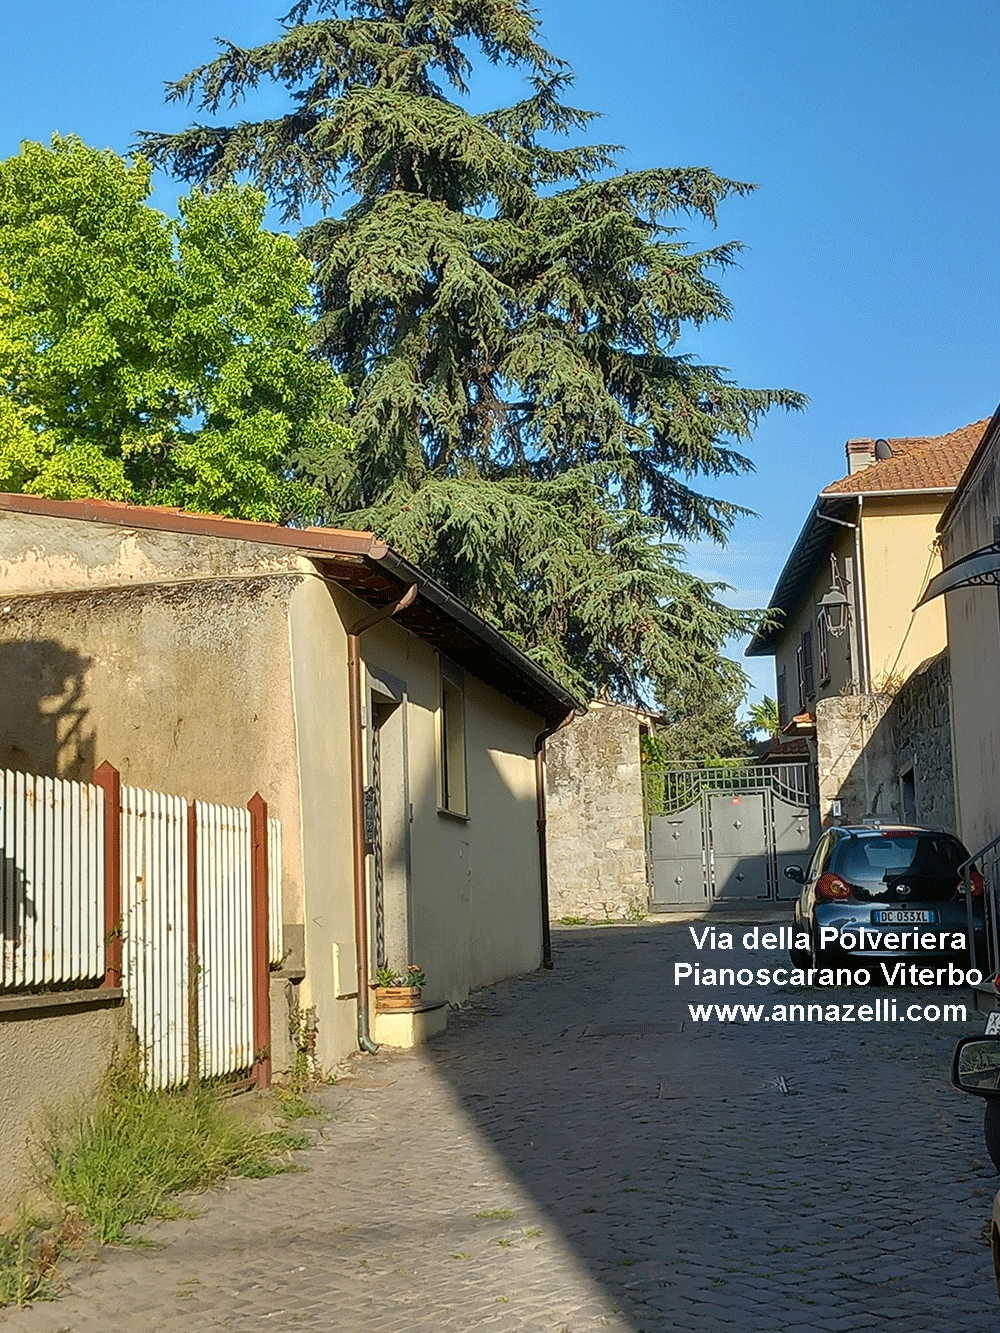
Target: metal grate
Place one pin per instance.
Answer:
(668, 790)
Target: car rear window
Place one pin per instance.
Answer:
(882, 858)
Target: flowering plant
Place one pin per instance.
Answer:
(388, 976)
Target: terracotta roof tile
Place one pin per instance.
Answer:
(917, 463)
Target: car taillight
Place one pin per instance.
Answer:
(976, 883)
(832, 887)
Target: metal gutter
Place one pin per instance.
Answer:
(861, 600)
(909, 490)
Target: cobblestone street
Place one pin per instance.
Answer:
(568, 1159)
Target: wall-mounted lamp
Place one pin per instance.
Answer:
(837, 607)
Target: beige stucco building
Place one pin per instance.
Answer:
(211, 658)
(845, 635)
(967, 590)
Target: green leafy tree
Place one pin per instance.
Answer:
(151, 360)
(507, 314)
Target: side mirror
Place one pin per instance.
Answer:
(795, 873)
(975, 1067)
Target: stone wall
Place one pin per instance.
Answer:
(854, 758)
(921, 736)
(889, 755)
(595, 833)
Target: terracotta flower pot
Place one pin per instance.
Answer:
(389, 998)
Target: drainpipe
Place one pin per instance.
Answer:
(358, 803)
(859, 598)
(543, 863)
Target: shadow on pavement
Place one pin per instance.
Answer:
(712, 1175)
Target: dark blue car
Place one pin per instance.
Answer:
(885, 896)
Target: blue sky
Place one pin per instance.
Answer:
(871, 128)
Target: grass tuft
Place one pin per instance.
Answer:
(120, 1165)
(125, 1162)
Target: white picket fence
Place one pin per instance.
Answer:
(155, 947)
(52, 913)
(51, 881)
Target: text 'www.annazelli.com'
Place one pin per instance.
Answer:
(882, 1011)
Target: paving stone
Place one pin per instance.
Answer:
(857, 1203)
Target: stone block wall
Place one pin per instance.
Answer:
(889, 755)
(921, 733)
(595, 833)
(854, 758)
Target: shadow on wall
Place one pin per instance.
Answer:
(16, 908)
(43, 719)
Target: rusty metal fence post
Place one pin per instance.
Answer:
(261, 950)
(109, 780)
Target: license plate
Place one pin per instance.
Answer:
(899, 916)
(993, 1024)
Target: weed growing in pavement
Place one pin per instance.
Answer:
(28, 1254)
(497, 1214)
(121, 1164)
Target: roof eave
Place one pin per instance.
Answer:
(989, 437)
(536, 689)
(803, 559)
(893, 494)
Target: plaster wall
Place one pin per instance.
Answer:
(474, 889)
(166, 655)
(39, 553)
(319, 677)
(898, 554)
(184, 689)
(53, 1061)
(973, 619)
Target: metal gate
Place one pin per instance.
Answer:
(724, 834)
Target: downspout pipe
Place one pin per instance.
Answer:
(354, 695)
(543, 862)
(860, 597)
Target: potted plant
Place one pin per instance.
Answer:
(396, 991)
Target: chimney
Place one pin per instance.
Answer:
(860, 454)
